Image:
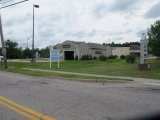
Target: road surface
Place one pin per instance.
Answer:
(25, 97)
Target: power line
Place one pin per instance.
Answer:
(13, 4)
(6, 1)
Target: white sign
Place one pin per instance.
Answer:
(143, 50)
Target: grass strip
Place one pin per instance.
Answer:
(61, 75)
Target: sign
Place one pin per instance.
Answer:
(143, 50)
(55, 55)
(66, 46)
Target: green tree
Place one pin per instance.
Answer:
(154, 38)
(13, 51)
(45, 52)
(27, 53)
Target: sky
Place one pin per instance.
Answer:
(96, 21)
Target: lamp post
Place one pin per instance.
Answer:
(33, 56)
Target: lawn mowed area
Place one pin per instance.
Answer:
(110, 67)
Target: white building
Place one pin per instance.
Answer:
(71, 49)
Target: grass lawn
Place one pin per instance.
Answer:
(62, 75)
(110, 67)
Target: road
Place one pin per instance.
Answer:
(71, 100)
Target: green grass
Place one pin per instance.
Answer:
(60, 75)
(109, 67)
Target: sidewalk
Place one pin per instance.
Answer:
(94, 75)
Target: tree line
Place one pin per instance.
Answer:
(15, 52)
(126, 44)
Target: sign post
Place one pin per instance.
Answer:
(144, 54)
(143, 50)
(54, 57)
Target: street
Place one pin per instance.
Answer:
(71, 100)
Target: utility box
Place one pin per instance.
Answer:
(144, 67)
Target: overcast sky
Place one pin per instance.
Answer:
(95, 21)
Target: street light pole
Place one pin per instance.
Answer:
(33, 54)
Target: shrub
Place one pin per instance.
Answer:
(131, 59)
(86, 57)
(112, 57)
(76, 58)
(82, 58)
(90, 57)
(94, 58)
(102, 58)
(122, 57)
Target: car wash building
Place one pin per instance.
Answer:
(70, 49)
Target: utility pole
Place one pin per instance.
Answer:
(4, 52)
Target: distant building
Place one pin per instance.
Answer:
(132, 50)
(118, 51)
(71, 49)
(135, 50)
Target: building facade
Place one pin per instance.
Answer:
(71, 49)
(132, 50)
(118, 51)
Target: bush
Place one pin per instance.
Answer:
(76, 58)
(102, 58)
(86, 57)
(131, 59)
(94, 58)
(122, 57)
(82, 58)
(112, 57)
(90, 57)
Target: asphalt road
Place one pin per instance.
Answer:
(70, 100)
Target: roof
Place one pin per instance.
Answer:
(134, 47)
(55, 46)
(74, 42)
(96, 46)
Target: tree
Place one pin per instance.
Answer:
(45, 52)
(154, 38)
(12, 50)
(130, 59)
(27, 53)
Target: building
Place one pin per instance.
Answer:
(118, 51)
(71, 49)
(132, 50)
(135, 50)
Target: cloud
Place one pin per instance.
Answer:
(153, 12)
(46, 33)
(139, 34)
(123, 5)
(118, 6)
(82, 34)
(79, 20)
(100, 10)
(18, 20)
